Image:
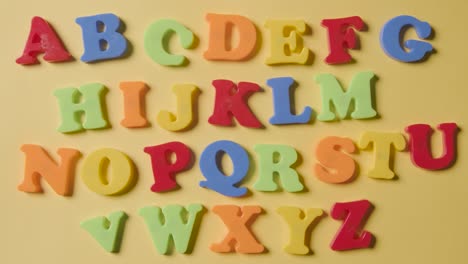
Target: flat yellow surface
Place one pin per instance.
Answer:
(419, 218)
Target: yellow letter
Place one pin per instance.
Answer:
(298, 224)
(94, 172)
(382, 144)
(186, 95)
(287, 48)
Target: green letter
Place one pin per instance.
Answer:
(108, 232)
(91, 106)
(171, 224)
(359, 91)
(268, 167)
(157, 38)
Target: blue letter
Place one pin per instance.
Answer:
(101, 38)
(215, 179)
(282, 103)
(390, 39)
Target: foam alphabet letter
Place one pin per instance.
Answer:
(92, 106)
(168, 224)
(359, 92)
(108, 232)
(215, 178)
(39, 164)
(298, 223)
(43, 39)
(157, 37)
(186, 96)
(231, 100)
(239, 238)
(101, 37)
(219, 43)
(268, 167)
(392, 32)
(341, 37)
(333, 165)
(134, 104)
(383, 143)
(164, 170)
(355, 215)
(95, 170)
(420, 150)
(282, 88)
(286, 44)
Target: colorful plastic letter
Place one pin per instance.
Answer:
(231, 100)
(43, 39)
(282, 88)
(391, 37)
(383, 143)
(101, 37)
(268, 167)
(95, 172)
(92, 106)
(186, 95)
(215, 178)
(239, 238)
(355, 215)
(333, 165)
(341, 37)
(299, 226)
(420, 150)
(286, 42)
(164, 171)
(157, 37)
(173, 223)
(359, 91)
(134, 104)
(220, 40)
(108, 232)
(40, 165)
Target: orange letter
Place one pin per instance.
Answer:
(333, 165)
(134, 104)
(219, 45)
(238, 222)
(40, 164)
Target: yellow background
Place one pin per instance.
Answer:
(419, 218)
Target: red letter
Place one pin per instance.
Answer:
(43, 39)
(356, 214)
(231, 100)
(163, 169)
(420, 149)
(341, 37)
